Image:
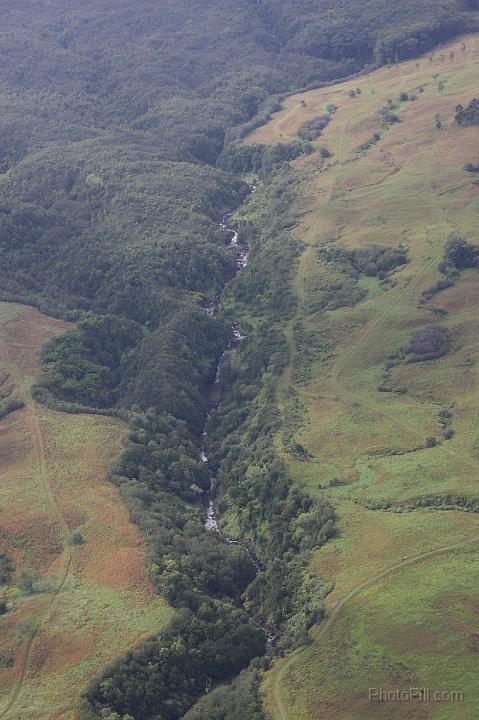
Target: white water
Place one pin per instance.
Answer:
(210, 522)
(211, 307)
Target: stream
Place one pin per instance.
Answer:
(211, 521)
(214, 394)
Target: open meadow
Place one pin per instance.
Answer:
(79, 593)
(382, 430)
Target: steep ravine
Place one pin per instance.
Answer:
(214, 391)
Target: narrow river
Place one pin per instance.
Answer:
(214, 395)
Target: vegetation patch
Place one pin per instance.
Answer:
(7, 567)
(339, 286)
(10, 405)
(436, 502)
(209, 647)
(372, 260)
(429, 343)
(262, 160)
(311, 129)
(468, 115)
(459, 254)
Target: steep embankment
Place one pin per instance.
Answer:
(380, 429)
(80, 591)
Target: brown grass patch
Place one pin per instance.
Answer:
(53, 469)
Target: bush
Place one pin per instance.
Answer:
(429, 343)
(76, 538)
(7, 658)
(372, 141)
(440, 285)
(29, 581)
(460, 254)
(370, 259)
(388, 117)
(468, 115)
(10, 405)
(312, 129)
(430, 442)
(7, 567)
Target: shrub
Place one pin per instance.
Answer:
(7, 566)
(369, 143)
(468, 115)
(28, 580)
(76, 538)
(447, 433)
(437, 287)
(429, 343)
(444, 416)
(7, 658)
(10, 406)
(430, 442)
(388, 117)
(461, 254)
(312, 129)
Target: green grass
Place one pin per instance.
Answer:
(417, 628)
(408, 189)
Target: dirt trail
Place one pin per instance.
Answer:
(338, 370)
(39, 460)
(338, 606)
(375, 325)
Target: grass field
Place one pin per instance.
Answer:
(391, 623)
(91, 600)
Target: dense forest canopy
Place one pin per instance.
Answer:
(113, 116)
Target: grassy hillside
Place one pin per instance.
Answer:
(78, 590)
(378, 430)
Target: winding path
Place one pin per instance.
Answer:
(39, 460)
(338, 369)
(338, 606)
